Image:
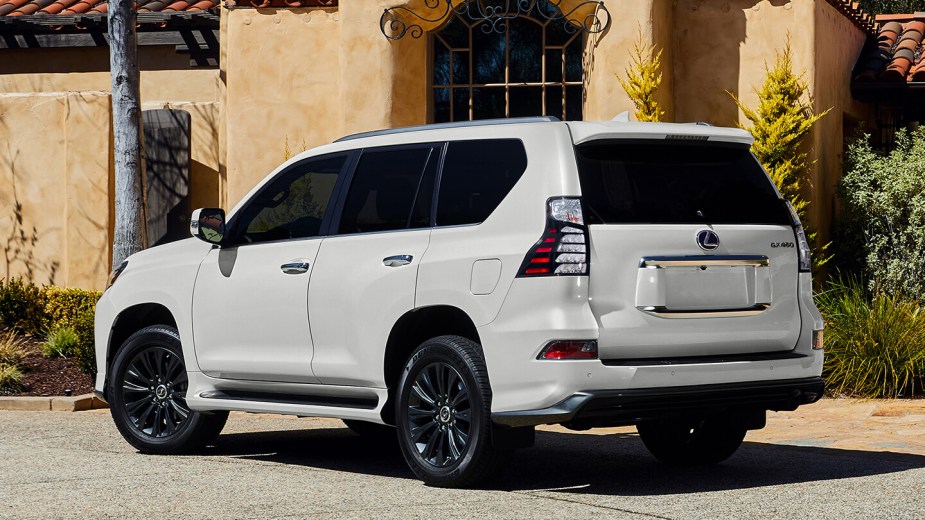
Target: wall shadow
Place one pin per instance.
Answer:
(616, 464)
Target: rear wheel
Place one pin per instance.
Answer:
(691, 442)
(147, 387)
(443, 414)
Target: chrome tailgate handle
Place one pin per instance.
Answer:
(295, 267)
(397, 260)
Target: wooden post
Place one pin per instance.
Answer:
(130, 233)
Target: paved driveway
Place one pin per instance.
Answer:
(74, 465)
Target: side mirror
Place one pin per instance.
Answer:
(208, 224)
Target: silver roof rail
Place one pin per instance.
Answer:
(459, 124)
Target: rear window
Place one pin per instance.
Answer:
(633, 182)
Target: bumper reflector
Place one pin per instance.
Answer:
(817, 339)
(571, 349)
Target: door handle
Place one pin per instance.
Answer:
(297, 266)
(397, 260)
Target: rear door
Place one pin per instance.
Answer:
(692, 250)
(366, 270)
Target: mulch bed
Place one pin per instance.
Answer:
(52, 376)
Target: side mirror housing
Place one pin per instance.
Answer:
(208, 225)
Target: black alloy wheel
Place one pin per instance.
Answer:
(443, 414)
(147, 385)
(439, 415)
(154, 392)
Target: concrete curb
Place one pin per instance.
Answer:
(52, 404)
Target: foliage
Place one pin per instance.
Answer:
(12, 348)
(779, 124)
(61, 342)
(883, 198)
(892, 6)
(643, 78)
(22, 305)
(37, 310)
(875, 346)
(11, 379)
(12, 354)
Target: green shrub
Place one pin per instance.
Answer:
(643, 77)
(11, 379)
(12, 355)
(12, 348)
(874, 346)
(61, 342)
(22, 306)
(37, 310)
(85, 351)
(883, 225)
(780, 123)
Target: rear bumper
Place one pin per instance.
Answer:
(632, 406)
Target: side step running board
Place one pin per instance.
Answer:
(363, 403)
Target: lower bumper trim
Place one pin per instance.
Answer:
(632, 406)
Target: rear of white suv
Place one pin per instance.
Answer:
(465, 283)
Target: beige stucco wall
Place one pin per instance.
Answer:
(165, 74)
(838, 45)
(281, 80)
(52, 168)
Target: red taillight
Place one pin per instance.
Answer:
(569, 350)
(563, 246)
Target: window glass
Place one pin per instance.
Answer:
(293, 204)
(526, 66)
(476, 177)
(675, 183)
(383, 189)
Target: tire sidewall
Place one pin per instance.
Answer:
(440, 351)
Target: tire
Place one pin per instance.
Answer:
(692, 442)
(147, 387)
(443, 414)
(370, 430)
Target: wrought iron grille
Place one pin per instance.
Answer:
(588, 16)
(529, 66)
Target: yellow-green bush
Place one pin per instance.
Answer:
(38, 310)
(12, 354)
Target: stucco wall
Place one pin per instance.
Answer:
(165, 75)
(838, 45)
(607, 55)
(55, 187)
(282, 81)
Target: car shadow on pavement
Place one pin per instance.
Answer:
(614, 464)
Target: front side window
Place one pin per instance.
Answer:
(529, 65)
(384, 189)
(292, 205)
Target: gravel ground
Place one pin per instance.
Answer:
(75, 465)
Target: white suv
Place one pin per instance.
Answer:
(467, 282)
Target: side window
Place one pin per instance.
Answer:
(293, 204)
(476, 177)
(384, 189)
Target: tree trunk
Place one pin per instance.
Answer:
(130, 235)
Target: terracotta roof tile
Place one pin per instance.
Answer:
(71, 7)
(895, 55)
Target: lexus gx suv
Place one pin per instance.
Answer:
(456, 285)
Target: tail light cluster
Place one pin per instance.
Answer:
(564, 247)
(806, 263)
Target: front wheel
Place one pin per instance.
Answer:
(691, 442)
(443, 414)
(147, 387)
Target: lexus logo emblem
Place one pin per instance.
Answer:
(707, 240)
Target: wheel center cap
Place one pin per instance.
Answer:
(160, 391)
(445, 414)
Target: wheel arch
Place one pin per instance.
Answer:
(132, 319)
(412, 329)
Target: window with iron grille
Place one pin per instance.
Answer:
(529, 65)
